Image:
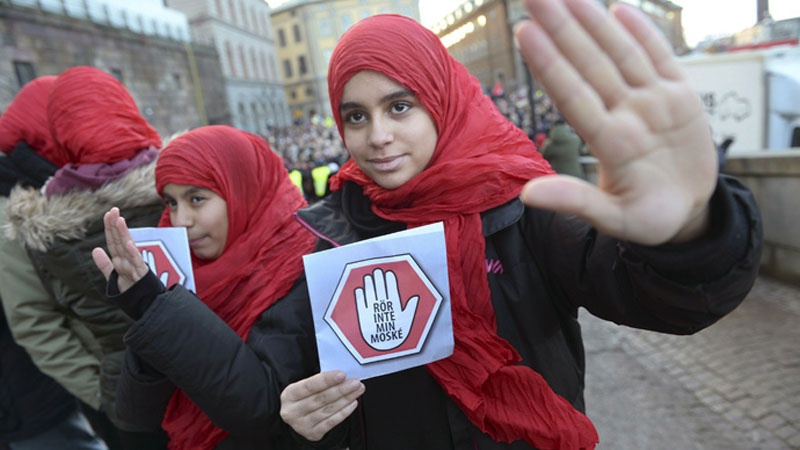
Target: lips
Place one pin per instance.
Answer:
(387, 164)
(193, 242)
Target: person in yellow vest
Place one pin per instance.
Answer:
(297, 178)
(320, 175)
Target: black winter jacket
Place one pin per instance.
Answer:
(177, 341)
(542, 267)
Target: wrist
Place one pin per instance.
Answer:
(696, 227)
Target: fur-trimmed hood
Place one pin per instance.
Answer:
(37, 221)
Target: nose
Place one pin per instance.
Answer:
(380, 133)
(181, 217)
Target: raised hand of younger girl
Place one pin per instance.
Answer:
(123, 255)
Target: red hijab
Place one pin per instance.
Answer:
(263, 251)
(481, 161)
(25, 119)
(95, 120)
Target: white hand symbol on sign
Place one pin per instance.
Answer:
(383, 322)
(150, 259)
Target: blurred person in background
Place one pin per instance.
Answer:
(106, 153)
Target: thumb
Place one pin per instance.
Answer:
(102, 261)
(411, 305)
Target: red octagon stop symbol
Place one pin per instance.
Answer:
(342, 312)
(164, 264)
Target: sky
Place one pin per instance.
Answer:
(701, 18)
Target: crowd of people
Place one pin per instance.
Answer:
(98, 353)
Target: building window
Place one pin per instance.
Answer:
(297, 36)
(309, 92)
(117, 73)
(287, 68)
(282, 38)
(294, 95)
(25, 72)
(256, 66)
(273, 66)
(265, 67)
(231, 60)
(243, 56)
(232, 11)
(301, 65)
(176, 77)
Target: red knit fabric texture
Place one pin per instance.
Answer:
(25, 119)
(95, 119)
(481, 161)
(263, 252)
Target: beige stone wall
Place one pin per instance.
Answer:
(774, 178)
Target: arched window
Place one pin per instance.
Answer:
(231, 59)
(244, 62)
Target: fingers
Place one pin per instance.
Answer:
(588, 60)
(579, 103)
(618, 43)
(313, 406)
(650, 38)
(380, 284)
(122, 252)
(102, 261)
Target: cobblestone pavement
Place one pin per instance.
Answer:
(733, 386)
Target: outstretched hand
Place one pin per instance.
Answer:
(617, 82)
(124, 256)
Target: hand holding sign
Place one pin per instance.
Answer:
(150, 259)
(384, 322)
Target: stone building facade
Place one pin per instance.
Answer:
(241, 32)
(177, 85)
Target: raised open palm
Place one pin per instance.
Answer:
(615, 79)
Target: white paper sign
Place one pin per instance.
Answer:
(382, 305)
(166, 252)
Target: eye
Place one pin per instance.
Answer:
(170, 203)
(197, 199)
(354, 117)
(400, 107)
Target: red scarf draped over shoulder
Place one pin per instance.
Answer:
(263, 251)
(25, 119)
(480, 161)
(95, 119)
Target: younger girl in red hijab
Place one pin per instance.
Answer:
(214, 364)
(427, 145)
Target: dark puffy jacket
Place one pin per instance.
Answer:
(59, 233)
(177, 341)
(30, 401)
(542, 267)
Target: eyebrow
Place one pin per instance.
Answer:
(188, 193)
(403, 93)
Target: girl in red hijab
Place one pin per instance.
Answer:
(426, 146)
(233, 195)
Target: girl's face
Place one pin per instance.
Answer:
(389, 133)
(203, 213)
